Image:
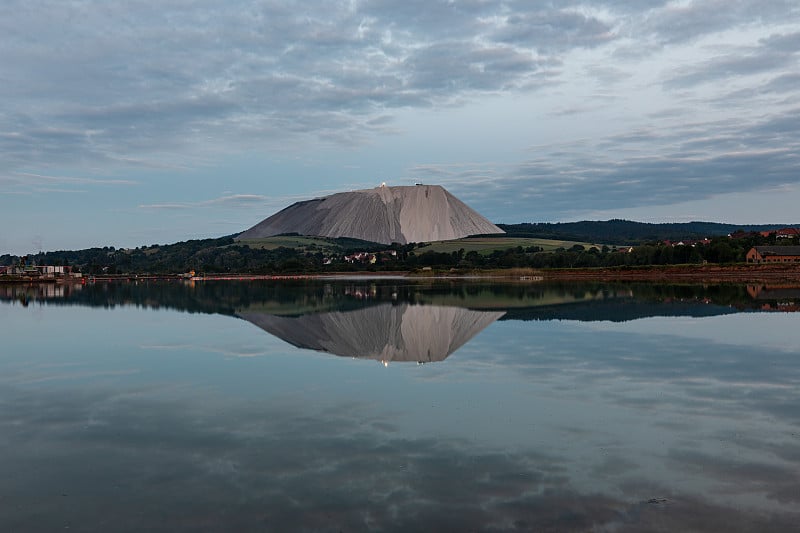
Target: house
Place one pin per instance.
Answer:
(37, 271)
(361, 257)
(774, 254)
(688, 242)
(787, 233)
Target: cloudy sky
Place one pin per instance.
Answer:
(141, 122)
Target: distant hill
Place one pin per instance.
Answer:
(619, 231)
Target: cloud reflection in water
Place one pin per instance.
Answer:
(535, 424)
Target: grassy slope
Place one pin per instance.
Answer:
(305, 243)
(272, 243)
(482, 245)
(486, 245)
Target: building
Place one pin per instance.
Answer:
(774, 254)
(37, 271)
(787, 233)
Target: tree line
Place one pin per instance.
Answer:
(224, 255)
(620, 232)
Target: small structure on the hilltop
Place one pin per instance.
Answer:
(417, 213)
(774, 254)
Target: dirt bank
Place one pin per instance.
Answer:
(680, 273)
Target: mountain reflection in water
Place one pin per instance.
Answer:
(391, 320)
(564, 407)
(385, 332)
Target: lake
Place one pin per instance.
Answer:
(392, 405)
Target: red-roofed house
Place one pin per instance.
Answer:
(774, 254)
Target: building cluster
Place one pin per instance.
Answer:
(760, 254)
(687, 242)
(783, 233)
(38, 271)
(368, 258)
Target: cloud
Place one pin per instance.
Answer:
(141, 85)
(549, 30)
(679, 22)
(150, 82)
(65, 180)
(227, 351)
(29, 183)
(772, 54)
(646, 167)
(231, 200)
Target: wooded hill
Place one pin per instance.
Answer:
(627, 232)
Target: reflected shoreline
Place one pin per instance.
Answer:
(292, 297)
(398, 320)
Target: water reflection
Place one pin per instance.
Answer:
(385, 332)
(406, 321)
(566, 408)
(296, 298)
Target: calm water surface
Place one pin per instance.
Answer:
(358, 405)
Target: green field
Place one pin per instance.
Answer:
(482, 245)
(486, 245)
(304, 243)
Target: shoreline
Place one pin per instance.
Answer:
(737, 273)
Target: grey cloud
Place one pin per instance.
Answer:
(554, 30)
(782, 84)
(451, 68)
(608, 74)
(788, 43)
(147, 84)
(231, 200)
(437, 17)
(694, 161)
(773, 53)
(727, 67)
(146, 81)
(26, 182)
(166, 206)
(672, 24)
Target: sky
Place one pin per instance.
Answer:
(141, 122)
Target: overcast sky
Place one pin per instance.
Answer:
(141, 122)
